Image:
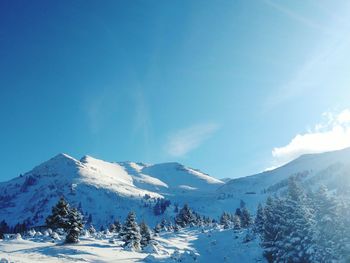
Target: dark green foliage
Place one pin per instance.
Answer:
(146, 235)
(75, 225)
(225, 220)
(259, 220)
(287, 231)
(59, 216)
(246, 219)
(160, 206)
(4, 228)
(118, 226)
(131, 232)
(158, 228)
(185, 217)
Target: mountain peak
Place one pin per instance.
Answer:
(62, 156)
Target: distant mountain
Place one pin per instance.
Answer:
(331, 169)
(105, 191)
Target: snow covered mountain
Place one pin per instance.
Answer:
(331, 169)
(101, 189)
(105, 191)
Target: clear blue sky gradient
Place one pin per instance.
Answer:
(115, 79)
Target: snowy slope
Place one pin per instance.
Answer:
(108, 191)
(103, 189)
(331, 169)
(187, 246)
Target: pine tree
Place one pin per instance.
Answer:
(238, 212)
(118, 226)
(59, 216)
(75, 225)
(176, 228)
(4, 228)
(164, 224)
(259, 219)
(112, 228)
(146, 236)
(185, 217)
(236, 222)
(287, 235)
(158, 228)
(225, 220)
(271, 227)
(328, 226)
(131, 232)
(92, 230)
(246, 219)
(344, 226)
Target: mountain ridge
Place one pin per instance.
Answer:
(109, 190)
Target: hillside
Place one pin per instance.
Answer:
(105, 191)
(101, 189)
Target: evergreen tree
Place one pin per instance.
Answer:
(271, 227)
(176, 228)
(92, 230)
(328, 226)
(344, 226)
(158, 228)
(236, 222)
(118, 226)
(4, 228)
(59, 216)
(238, 212)
(288, 228)
(131, 232)
(112, 228)
(225, 220)
(259, 219)
(185, 217)
(246, 219)
(146, 236)
(75, 225)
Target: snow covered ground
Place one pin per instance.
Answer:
(189, 245)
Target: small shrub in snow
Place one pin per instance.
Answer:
(55, 236)
(92, 230)
(17, 236)
(31, 233)
(38, 234)
(176, 255)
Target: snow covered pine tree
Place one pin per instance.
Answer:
(146, 236)
(131, 233)
(59, 216)
(75, 225)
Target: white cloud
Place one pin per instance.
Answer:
(190, 138)
(330, 135)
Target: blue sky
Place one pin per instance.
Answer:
(230, 87)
